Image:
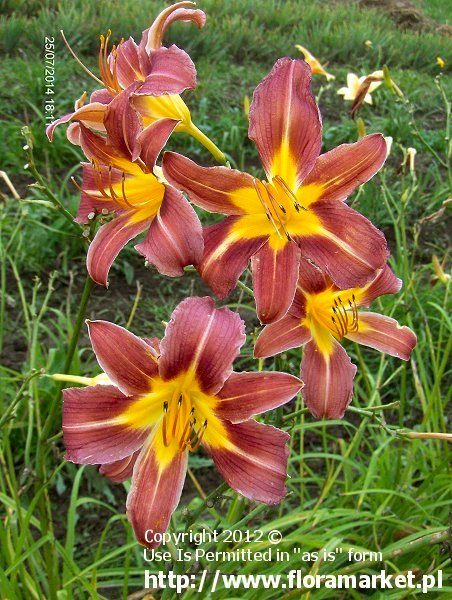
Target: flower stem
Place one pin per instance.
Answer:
(207, 143)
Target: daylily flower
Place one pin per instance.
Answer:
(151, 74)
(164, 403)
(119, 179)
(354, 83)
(315, 65)
(319, 318)
(298, 211)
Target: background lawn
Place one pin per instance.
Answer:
(361, 482)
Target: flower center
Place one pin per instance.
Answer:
(344, 318)
(334, 311)
(279, 203)
(182, 423)
(136, 191)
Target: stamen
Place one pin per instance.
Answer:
(342, 321)
(257, 185)
(184, 440)
(79, 61)
(123, 190)
(176, 416)
(165, 412)
(114, 196)
(337, 328)
(273, 202)
(289, 192)
(97, 174)
(199, 435)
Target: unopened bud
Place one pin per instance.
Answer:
(411, 153)
(361, 128)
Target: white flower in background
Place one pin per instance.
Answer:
(354, 83)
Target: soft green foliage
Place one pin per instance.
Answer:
(360, 482)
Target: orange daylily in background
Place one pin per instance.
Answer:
(320, 317)
(165, 400)
(298, 211)
(313, 62)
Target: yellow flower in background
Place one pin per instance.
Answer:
(440, 62)
(315, 65)
(354, 83)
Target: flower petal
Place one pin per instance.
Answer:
(280, 336)
(93, 431)
(95, 147)
(202, 339)
(152, 38)
(227, 251)
(127, 63)
(175, 238)
(275, 274)
(328, 380)
(311, 279)
(336, 174)
(384, 334)
(285, 122)
(123, 124)
(129, 361)
(120, 470)
(348, 247)
(172, 71)
(384, 283)
(109, 241)
(256, 463)
(153, 138)
(245, 395)
(92, 115)
(216, 189)
(155, 493)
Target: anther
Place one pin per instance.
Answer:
(289, 192)
(164, 424)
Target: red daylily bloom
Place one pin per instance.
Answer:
(120, 180)
(166, 401)
(320, 317)
(156, 73)
(298, 211)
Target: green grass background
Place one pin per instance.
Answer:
(358, 482)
